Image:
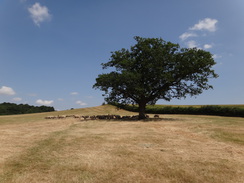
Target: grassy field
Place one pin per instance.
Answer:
(172, 149)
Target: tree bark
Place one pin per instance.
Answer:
(142, 110)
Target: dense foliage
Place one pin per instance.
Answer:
(154, 69)
(11, 108)
(203, 110)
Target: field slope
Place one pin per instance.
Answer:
(172, 149)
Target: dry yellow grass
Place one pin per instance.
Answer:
(173, 149)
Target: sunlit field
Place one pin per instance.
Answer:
(169, 149)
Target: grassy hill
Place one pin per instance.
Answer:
(36, 117)
(173, 148)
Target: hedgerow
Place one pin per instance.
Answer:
(203, 110)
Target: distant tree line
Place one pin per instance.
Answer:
(203, 110)
(11, 108)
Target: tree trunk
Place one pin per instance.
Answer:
(142, 110)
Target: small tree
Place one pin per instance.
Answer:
(154, 69)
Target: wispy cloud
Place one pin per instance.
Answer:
(207, 24)
(186, 35)
(44, 102)
(207, 46)
(17, 99)
(216, 56)
(39, 13)
(74, 93)
(192, 44)
(32, 94)
(4, 90)
(81, 103)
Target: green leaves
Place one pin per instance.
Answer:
(155, 69)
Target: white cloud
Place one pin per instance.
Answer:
(186, 35)
(6, 91)
(17, 99)
(207, 46)
(74, 93)
(60, 99)
(81, 103)
(206, 24)
(39, 13)
(44, 102)
(192, 44)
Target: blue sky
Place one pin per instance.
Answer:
(51, 51)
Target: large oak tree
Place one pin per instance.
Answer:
(154, 69)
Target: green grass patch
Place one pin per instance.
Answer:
(229, 136)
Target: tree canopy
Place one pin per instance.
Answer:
(154, 69)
